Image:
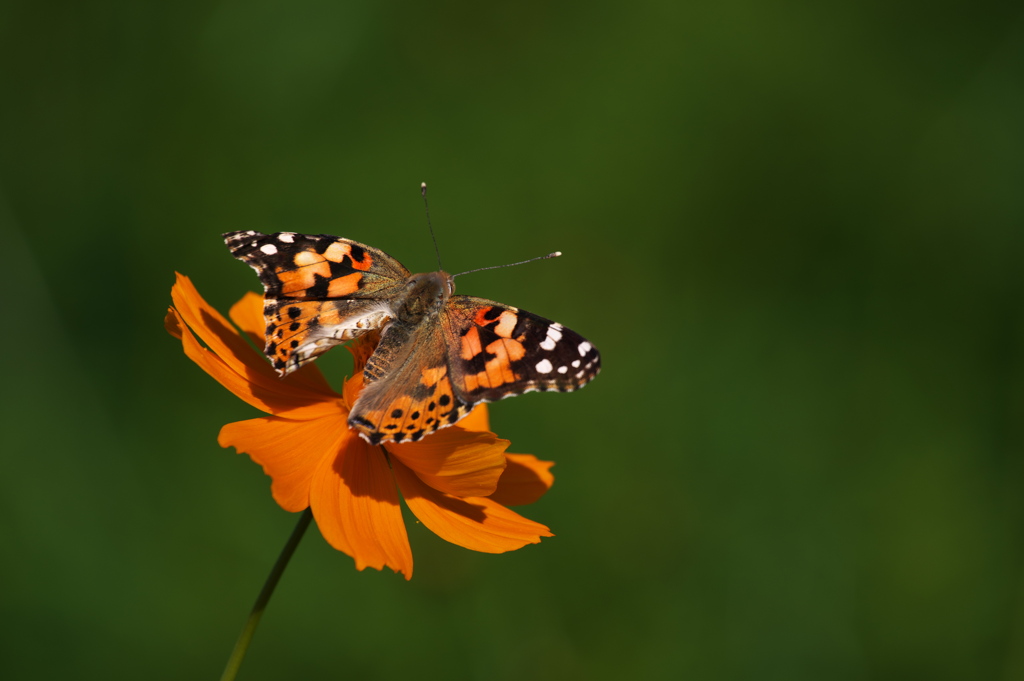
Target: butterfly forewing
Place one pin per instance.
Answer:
(498, 351)
(319, 290)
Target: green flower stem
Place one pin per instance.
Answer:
(242, 645)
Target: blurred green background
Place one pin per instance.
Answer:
(794, 229)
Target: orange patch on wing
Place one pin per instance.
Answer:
(342, 286)
(506, 323)
(405, 418)
(306, 258)
(366, 264)
(278, 321)
(328, 315)
(481, 316)
(280, 333)
(338, 251)
(433, 376)
(296, 281)
(471, 346)
(498, 370)
(506, 347)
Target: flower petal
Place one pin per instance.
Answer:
(476, 420)
(289, 451)
(476, 523)
(455, 461)
(212, 364)
(213, 329)
(173, 323)
(525, 480)
(232, 362)
(361, 348)
(356, 506)
(283, 399)
(247, 314)
(353, 386)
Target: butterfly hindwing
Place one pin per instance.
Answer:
(408, 390)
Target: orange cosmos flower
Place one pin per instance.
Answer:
(457, 481)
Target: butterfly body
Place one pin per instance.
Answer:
(439, 353)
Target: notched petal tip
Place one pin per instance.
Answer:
(172, 322)
(215, 345)
(352, 387)
(475, 523)
(247, 314)
(525, 480)
(289, 451)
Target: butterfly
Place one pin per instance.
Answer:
(439, 354)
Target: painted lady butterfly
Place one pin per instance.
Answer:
(439, 354)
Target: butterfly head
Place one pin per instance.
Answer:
(425, 295)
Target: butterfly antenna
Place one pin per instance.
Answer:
(426, 208)
(511, 264)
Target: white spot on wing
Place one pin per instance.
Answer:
(286, 237)
(554, 335)
(584, 348)
(563, 370)
(269, 249)
(544, 367)
(575, 364)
